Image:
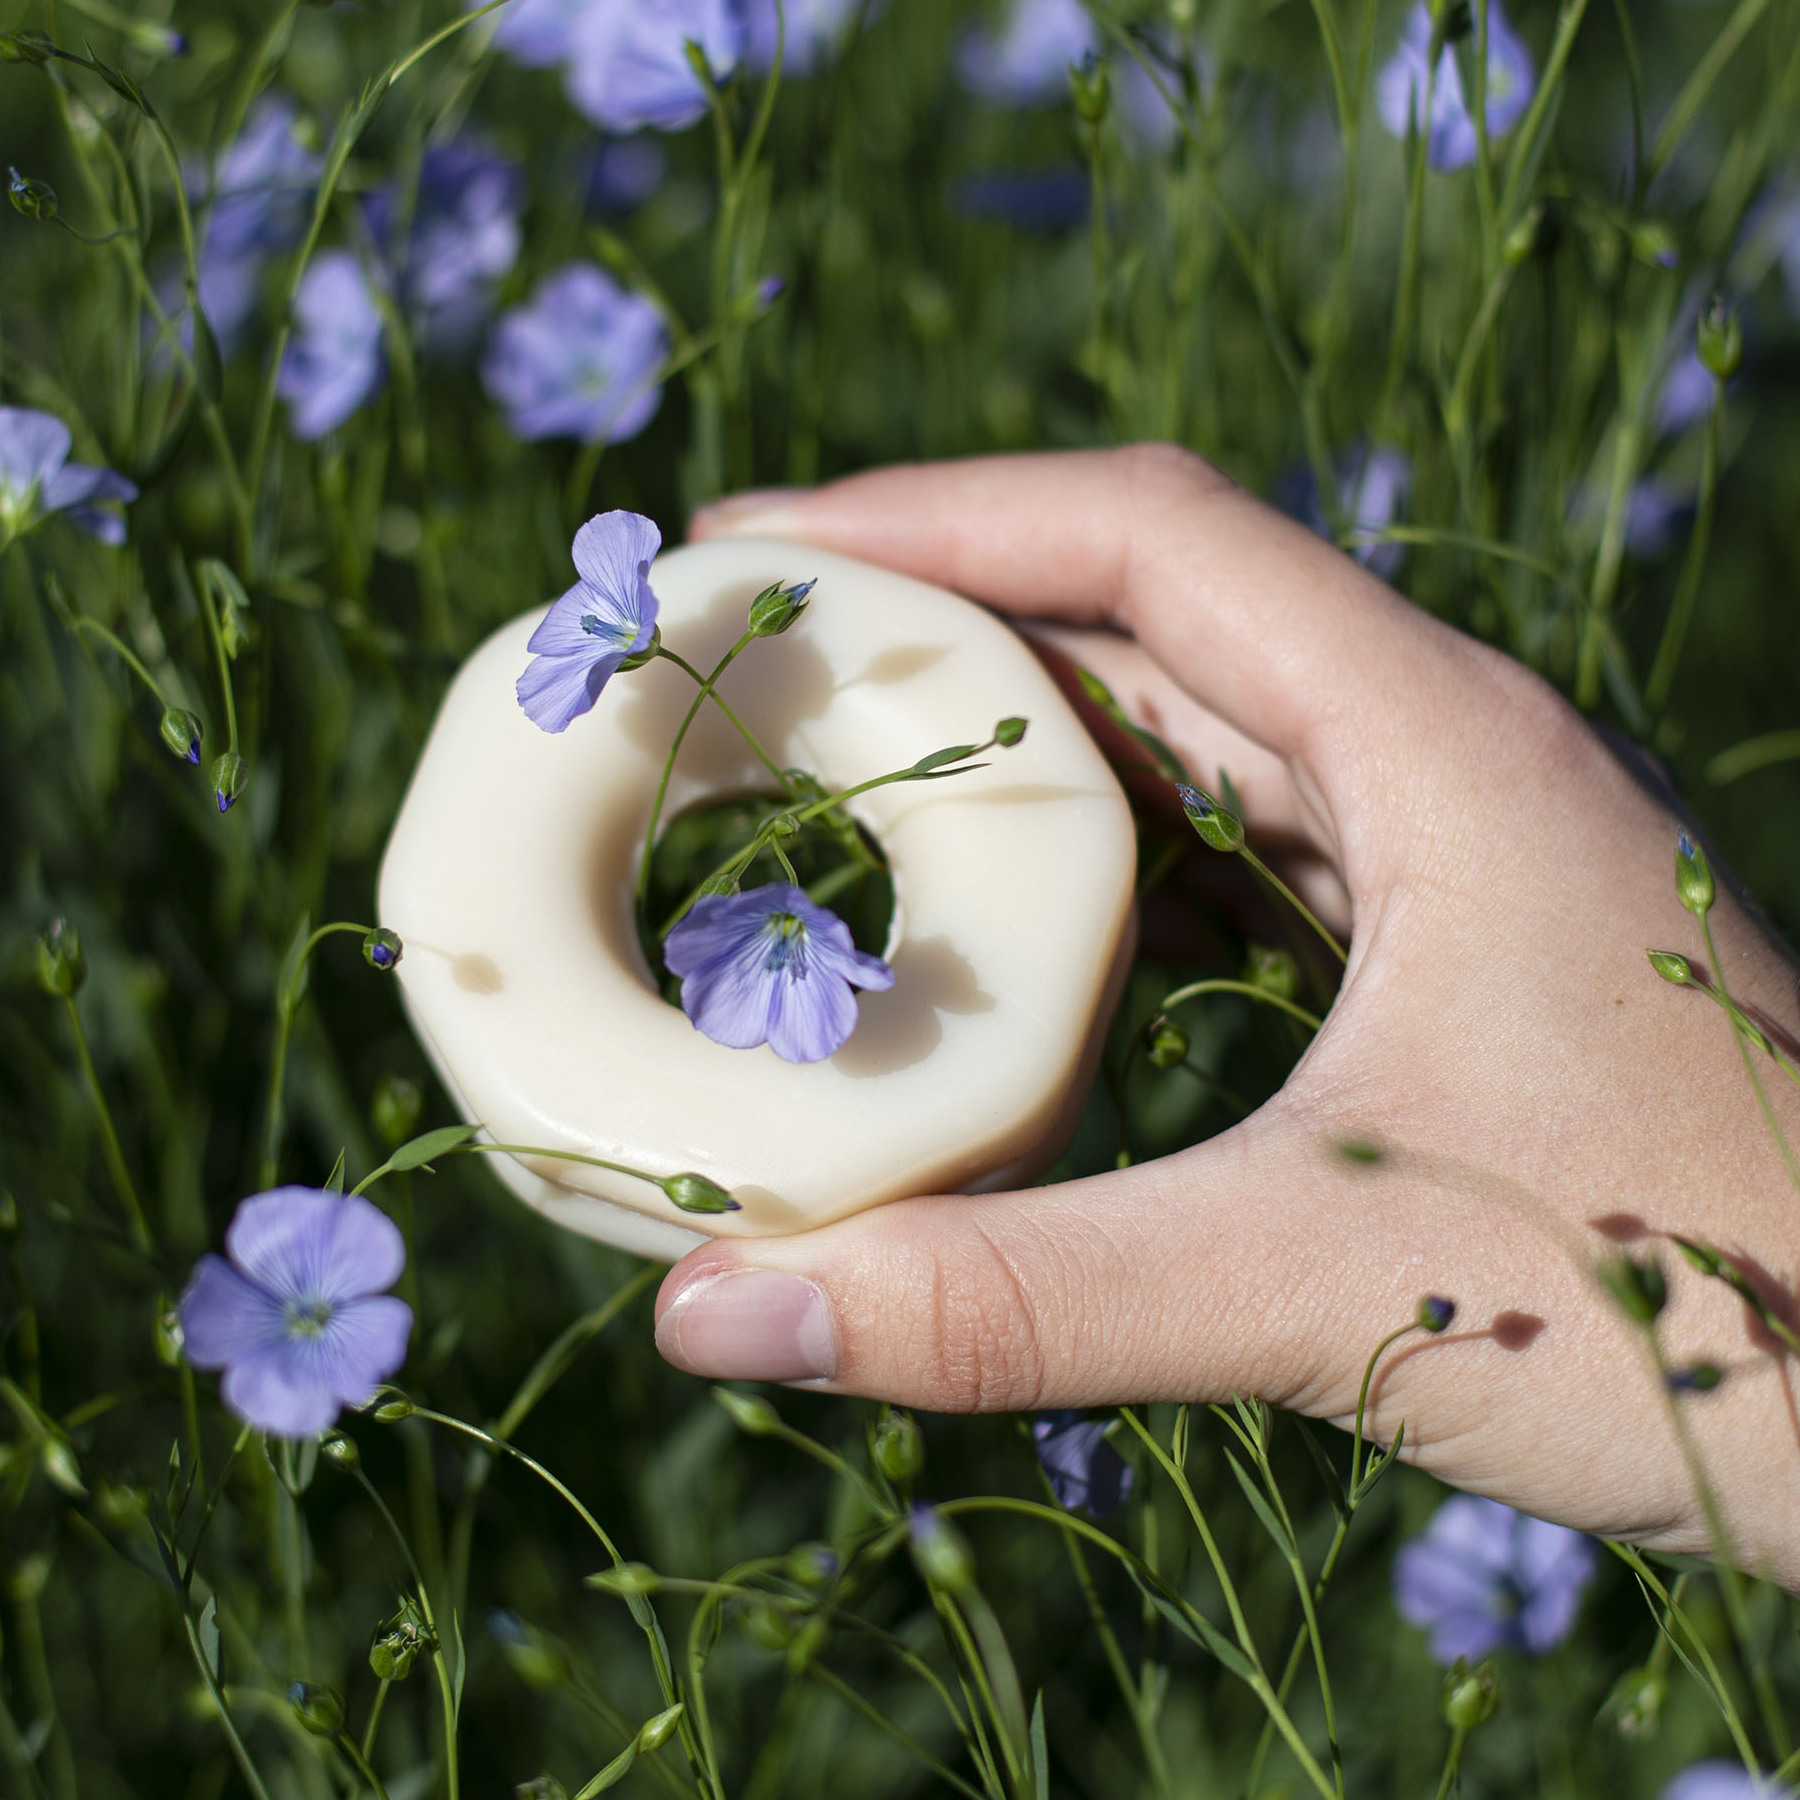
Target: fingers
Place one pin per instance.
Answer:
(1265, 624)
(1208, 1273)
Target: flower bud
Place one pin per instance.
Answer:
(395, 1408)
(1635, 1703)
(753, 1417)
(60, 965)
(169, 1338)
(1693, 876)
(1096, 689)
(769, 290)
(776, 608)
(896, 1446)
(1671, 965)
(25, 47)
(9, 1219)
(1696, 1378)
(657, 1732)
(340, 1451)
(812, 1565)
(1272, 971)
(540, 1787)
(1089, 87)
(381, 948)
(61, 1468)
(1435, 1313)
(182, 732)
(1719, 338)
(228, 780)
(1217, 826)
(397, 1644)
(35, 199)
(938, 1550)
(648, 654)
(1638, 1287)
(1652, 242)
(695, 1194)
(394, 1111)
(767, 1624)
(318, 1709)
(627, 1580)
(1010, 732)
(1168, 1043)
(1470, 1695)
(696, 60)
(1521, 243)
(155, 39)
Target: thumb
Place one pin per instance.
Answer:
(1217, 1271)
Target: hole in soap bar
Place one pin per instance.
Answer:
(845, 870)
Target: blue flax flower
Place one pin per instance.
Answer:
(815, 31)
(1719, 1780)
(37, 479)
(1372, 486)
(1051, 200)
(297, 1317)
(608, 615)
(1085, 1471)
(1483, 1577)
(1450, 139)
(768, 966)
(335, 361)
(579, 360)
(1025, 62)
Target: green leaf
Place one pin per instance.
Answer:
(1266, 1514)
(461, 1668)
(334, 1182)
(1379, 1467)
(290, 984)
(206, 1627)
(937, 759)
(1334, 1487)
(421, 1150)
(1198, 1630)
(614, 1772)
(1040, 1749)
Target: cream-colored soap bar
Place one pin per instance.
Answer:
(509, 878)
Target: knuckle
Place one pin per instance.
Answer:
(987, 1352)
(1162, 468)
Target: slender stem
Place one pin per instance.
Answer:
(212, 1506)
(1293, 900)
(109, 1136)
(851, 1698)
(1362, 1402)
(1195, 989)
(360, 1758)
(375, 1711)
(209, 605)
(1681, 610)
(93, 628)
(1756, 1082)
(245, 1766)
(710, 692)
(1452, 1762)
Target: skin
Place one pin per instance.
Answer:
(1541, 1096)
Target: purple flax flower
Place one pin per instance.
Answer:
(1049, 200)
(37, 479)
(815, 31)
(1025, 62)
(628, 65)
(623, 173)
(1372, 484)
(608, 615)
(1483, 1577)
(463, 235)
(260, 192)
(297, 1318)
(1718, 1780)
(1687, 393)
(767, 966)
(579, 360)
(538, 33)
(1450, 140)
(334, 363)
(1657, 509)
(1085, 1471)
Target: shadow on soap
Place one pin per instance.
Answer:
(902, 1026)
(472, 971)
(898, 663)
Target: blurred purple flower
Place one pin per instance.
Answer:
(1483, 1577)
(1719, 1780)
(627, 63)
(1085, 1471)
(1657, 509)
(623, 173)
(608, 615)
(1687, 393)
(1040, 200)
(1372, 487)
(1450, 135)
(297, 1318)
(1024, 61)
(463, 235)
(769, 966)
(1782, 224)
(37, 479)
(578, 360)
(538, 33)
(815, 30)
(334, 363)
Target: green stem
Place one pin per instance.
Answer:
(1195, 989)
(109, 1136)
(1681, 610)
(245, 1766)
(93, 628)
(1756, 1082)
(711, 692)
(1452, 1762)
(851, 1698)
(209, 605)
(1293, 900)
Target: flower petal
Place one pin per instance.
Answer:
(297, 1386)
(613, 553)
(33, 446)
(225, 1316)
(278, 1391)
(556, 689)
(812, 1012)
(303, 1243)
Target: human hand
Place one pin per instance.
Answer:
(1539, 1093)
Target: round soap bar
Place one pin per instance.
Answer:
(510, 872)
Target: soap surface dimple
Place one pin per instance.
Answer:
(509, 877)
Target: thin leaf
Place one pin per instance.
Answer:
(417, 1152)
(1260, 1506)
(614, 1772)
(937, 759)
(1040, 1749)
(334, 1182)
(1198, 1630)
(290, 984)
(207, 1625)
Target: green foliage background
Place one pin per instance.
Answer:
(1239, 292)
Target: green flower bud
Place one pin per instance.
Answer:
(696, 60)
(1672, 966)
(395, 1408)
(394, 1111)
(1635, 1704)
(1168, 1043)
(182, 732)
(35, 199)
(169, 1338)
(318, 1709)
(1693, 876)
(1435, 1313)
(228, 780)
(1638, 1287)
(25, 47)
(121, 1507)
(753, 1417)
(540, 1787)
(1096, 689)
(657, 1732)
(1222, 829)
(1652, 242)
(776, 608)
(1521, 243)
(627, 1580)
(648, 654)
(9, 1219)
(61, 967)
(939, 1552)
(397, 1644)
(1719, 338)
(1010, 732)
(812, 1565)
(1470, 1695)
(1696, 1378)
(340, 1451)
(381, 948)
(536, 1663)
(767, 1624)
(1272, 971)
(695, 1194)
(61, 1467)
(1089, 87)
(896, 1446)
